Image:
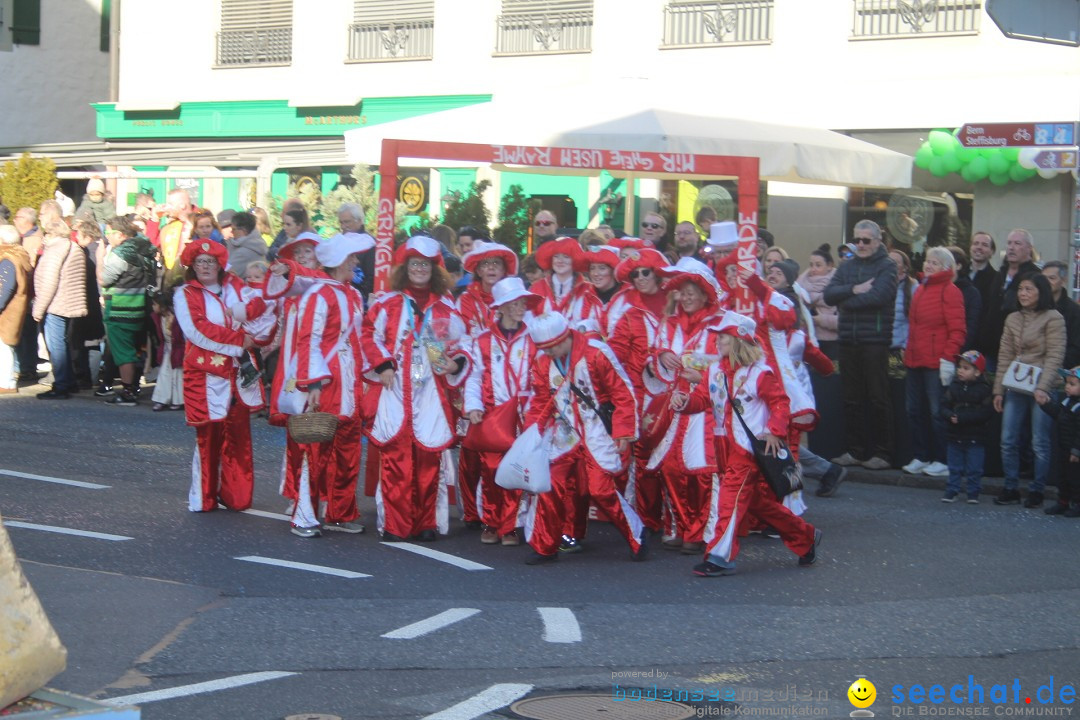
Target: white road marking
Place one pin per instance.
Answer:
(440, 556)
(431, 624)
(560, 625)
(265, 514)
(494, 698)
(59, 481)
(65, 531)
(302, 566)
(196, 689)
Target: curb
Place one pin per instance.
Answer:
(898, 478)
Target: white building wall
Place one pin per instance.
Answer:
(46, 89)
(811, 73)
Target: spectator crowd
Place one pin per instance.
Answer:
(658, 403)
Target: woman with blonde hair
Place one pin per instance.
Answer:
(772, 256)
(742, 388)
(262, 224)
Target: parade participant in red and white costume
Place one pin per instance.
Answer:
(295, 272)
(583, 453)
(760, 399)
(684, 456)
(633, 320)
(489, 263)
(625, 244)
(503, 357)
(222, 319)
(409, 416)
(600, 263)
(563, 291)
(329, 362)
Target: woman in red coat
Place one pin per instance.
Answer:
(936, 332)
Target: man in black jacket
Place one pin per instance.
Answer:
(1057, 273)
(864, 291)
(1019, 250)
(982, 273)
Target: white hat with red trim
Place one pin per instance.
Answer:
(603, 254)
(490, 250)
(333, 252)
(736, 325)
(422, 247)
(644, 258)
(548, 330)
(510, 289)
(286, 251)
(559, 246)
(723, 235)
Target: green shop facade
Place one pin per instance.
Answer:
(229, 154)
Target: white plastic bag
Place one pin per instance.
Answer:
(526, 465)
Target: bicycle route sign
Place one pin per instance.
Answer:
(991, 135)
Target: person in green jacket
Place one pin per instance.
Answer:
(127, 270)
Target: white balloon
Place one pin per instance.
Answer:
(1048, 173)
(1027, 158)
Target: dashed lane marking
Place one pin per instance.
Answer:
(65, 531)
(265, 514)
(196, 689)
(494, 698)
(440, 556)
(431, 624)
(302, 566)
(59, 481)
(560, 625)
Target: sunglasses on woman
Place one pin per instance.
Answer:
(640, 273)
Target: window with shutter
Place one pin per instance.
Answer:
(392, 30)
(255, 32)
(528, 27)
(26, 22)
(693, 23)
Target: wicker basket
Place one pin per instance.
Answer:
(312, 427)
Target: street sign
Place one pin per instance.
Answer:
(1057, 159)
(1049, 21)
(988, 135)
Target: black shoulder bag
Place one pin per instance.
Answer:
(781, 471)
(604, 411)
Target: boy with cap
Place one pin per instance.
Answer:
(574, 378)
(1067, 414)
(966, 409)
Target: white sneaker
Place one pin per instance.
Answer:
(936, 469)
(915, 467)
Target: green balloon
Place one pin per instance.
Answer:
(979, 167)
(1016, 174)
(967, 174)
(923, 156)
(989, 152)
(1000, 179)
(966, 154)
(941, 142)
(998, 165)
(1028, 173)
(952, 162)
(1011, 154)
(937, 167)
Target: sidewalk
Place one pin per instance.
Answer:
(991, 486)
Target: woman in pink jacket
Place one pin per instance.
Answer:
(936, 333)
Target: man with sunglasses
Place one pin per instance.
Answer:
(545, 228)
(864, 290)
(654, 230)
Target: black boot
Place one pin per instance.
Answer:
(1008, 497)
(1034, 500)
(1057, 508)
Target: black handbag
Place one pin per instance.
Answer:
(782, 472)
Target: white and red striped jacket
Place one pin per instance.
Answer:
(328, 347)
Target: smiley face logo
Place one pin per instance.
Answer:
(862, 693)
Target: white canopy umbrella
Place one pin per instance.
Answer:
(786, 153)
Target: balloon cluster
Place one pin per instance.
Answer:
(942, 154)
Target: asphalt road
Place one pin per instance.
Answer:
(907, 591)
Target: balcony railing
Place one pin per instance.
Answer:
(407, 40)
(254, 46)
(876, 19)
(727, 22)
(533, 33)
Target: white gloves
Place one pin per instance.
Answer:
(946, 371)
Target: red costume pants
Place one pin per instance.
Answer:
(222, 466)
(577, 479)
(469, 469)
(408, 487)
(691, 496)
(499, 506)
(648, 489)
(743, 490)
